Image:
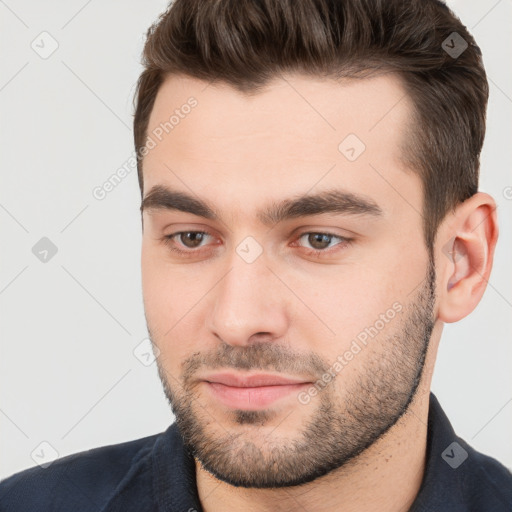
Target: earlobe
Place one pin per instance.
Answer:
(466, 258)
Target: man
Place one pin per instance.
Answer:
(311, 219)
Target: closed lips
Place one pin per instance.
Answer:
(252, 381)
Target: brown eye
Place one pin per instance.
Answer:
(319, 240)
(187, 243)
(190, 243)
(191, 239)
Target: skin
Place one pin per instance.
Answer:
(359, 443)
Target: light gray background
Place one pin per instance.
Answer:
(68, 375)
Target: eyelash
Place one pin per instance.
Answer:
(344, 242)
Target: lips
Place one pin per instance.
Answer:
(252, 392)
(252, 381)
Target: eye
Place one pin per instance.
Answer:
(192, 242)
(188, 239)
(320, 242)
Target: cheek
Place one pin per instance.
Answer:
(360, 298)
(161, 293)
(171, 307)
(152, 289)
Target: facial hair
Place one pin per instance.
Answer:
(337, 431)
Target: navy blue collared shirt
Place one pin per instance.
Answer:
(157, 473)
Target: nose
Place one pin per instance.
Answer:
(250, 304)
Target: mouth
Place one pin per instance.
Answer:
(252, 392)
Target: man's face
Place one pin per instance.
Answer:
(351, 322)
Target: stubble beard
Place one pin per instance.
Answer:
(338, 429)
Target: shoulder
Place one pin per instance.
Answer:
(488, 483)
(78, 482)
(459, 478)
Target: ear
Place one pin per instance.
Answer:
(464, 251)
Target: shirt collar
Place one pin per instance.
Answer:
(446, 465)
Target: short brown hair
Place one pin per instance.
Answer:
(247, 43)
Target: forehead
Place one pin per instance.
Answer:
(296, 134)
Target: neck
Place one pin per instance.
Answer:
(386, 477)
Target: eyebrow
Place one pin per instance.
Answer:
(332, 201)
